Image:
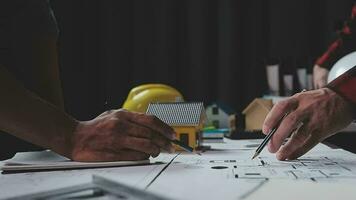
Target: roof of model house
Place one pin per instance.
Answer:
(260, 104)
(178, 113)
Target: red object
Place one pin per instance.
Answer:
(345, 85)
(346, 43)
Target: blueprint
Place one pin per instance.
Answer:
(297, 190)
(224, 172)
(231, 172)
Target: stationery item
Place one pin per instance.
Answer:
(48, 160)
(271, 133)
(268, 138)
(214, 135)
(99, 188)
(227, 166)
(184, 146)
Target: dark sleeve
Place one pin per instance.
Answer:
(34, 17)
(344, 44)
(345, 85)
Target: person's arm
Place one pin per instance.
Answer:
(45, 66)
(344, 44)
(345, 85)
(313, 116)
(115, 135)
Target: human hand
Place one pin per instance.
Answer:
(313, 116)
(120, 135)
(320, 76)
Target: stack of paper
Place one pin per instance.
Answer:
(48, 160)
(214, 135)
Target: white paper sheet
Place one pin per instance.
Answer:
(210, 176)
(231, 174)
(297, 190)
(32, 182)
(48, 160)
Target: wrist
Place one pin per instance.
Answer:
(64, 143)
(349, 107)
(77, 138)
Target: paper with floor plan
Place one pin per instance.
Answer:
(225, 172)
(231, 174)
(282, 190)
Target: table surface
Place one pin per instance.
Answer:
(224, 172)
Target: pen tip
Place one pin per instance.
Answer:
(254, 156)
(196, 152)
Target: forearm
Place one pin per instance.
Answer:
(25, 115)
(46, 78)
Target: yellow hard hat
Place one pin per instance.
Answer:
(140, 96)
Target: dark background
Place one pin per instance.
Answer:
(210, 50)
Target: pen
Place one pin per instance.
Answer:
(270, 134)
(184, 146)
(267, 138)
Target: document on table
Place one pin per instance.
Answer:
(297, 190)
(33, 182)
(48, 160)
(224, 172)
(231, 174)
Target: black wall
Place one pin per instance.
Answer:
(210, 50)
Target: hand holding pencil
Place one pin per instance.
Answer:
(321, 112)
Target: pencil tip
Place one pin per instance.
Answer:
(254, 156)
(197, 152)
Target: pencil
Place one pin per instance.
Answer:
(184, 146)
(270, 134)
(267, 138)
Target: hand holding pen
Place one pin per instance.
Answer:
(271, 131)
(312, 117)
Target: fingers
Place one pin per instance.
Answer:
(309, 144)
(106, 113)
(300, 143)
(144, 132)
(141, 145)
(315, 84)
(163, 143)
(319, 84)
(133, 155)
(277, 112)
(151, 122)
(295, 142)
(285, 129)
(108, 156)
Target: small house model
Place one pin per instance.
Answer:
(218, 115)
(186, 118)
(255, 113)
